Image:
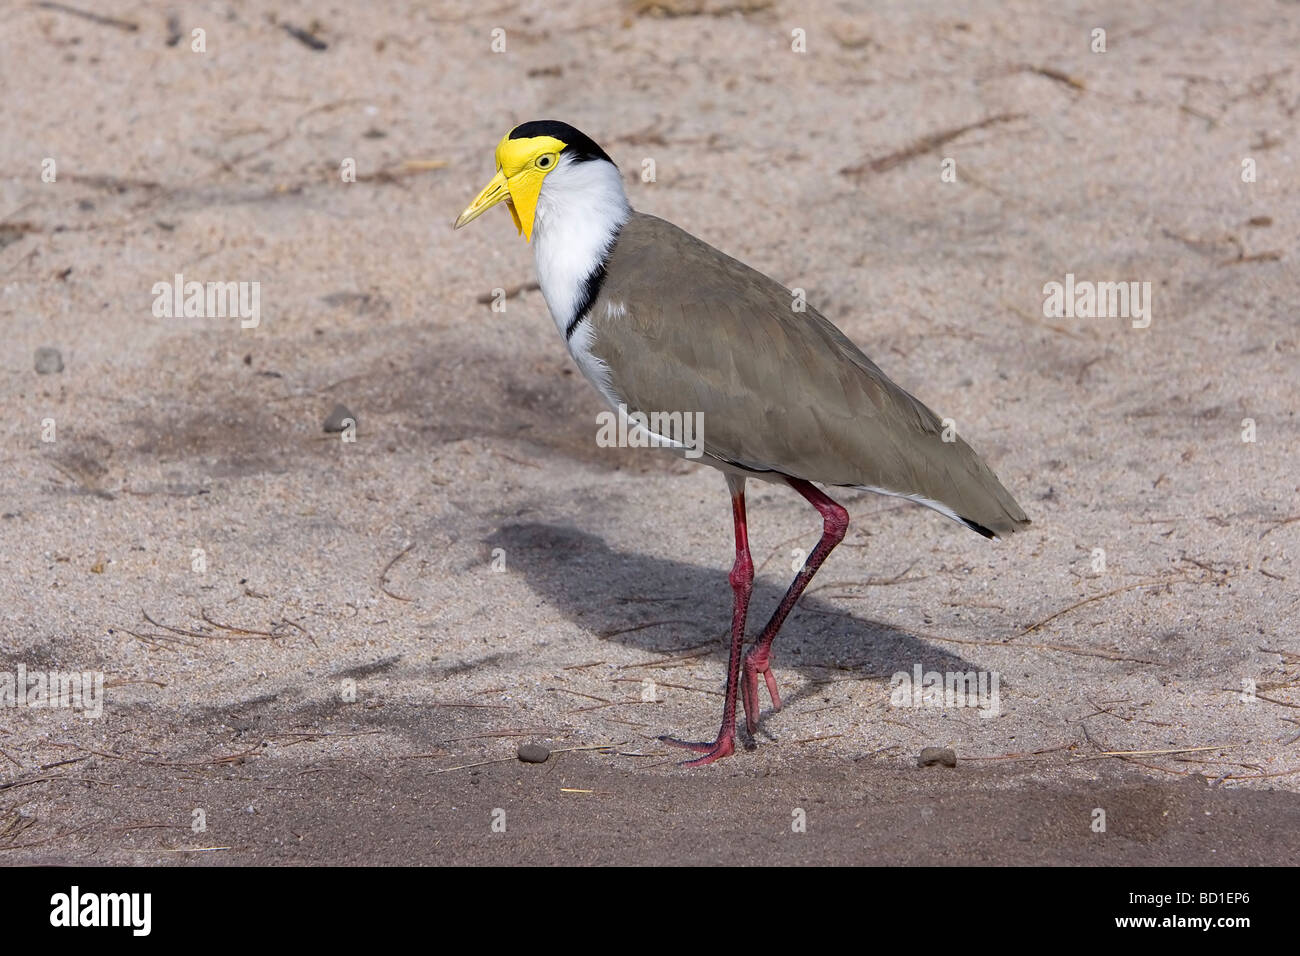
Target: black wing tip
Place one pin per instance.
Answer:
(978, 528)
(1018, 524)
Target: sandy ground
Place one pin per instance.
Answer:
(330, 565)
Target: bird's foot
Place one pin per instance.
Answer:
(757, 662)
(712, 750)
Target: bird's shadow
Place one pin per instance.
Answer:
(665, 606)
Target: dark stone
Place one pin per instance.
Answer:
(942, 756)
(533, 753)
(48, 360)
(334, 421)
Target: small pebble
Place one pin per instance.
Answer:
(48, 360)
(943, 756)
(533, 753)
(334, 423)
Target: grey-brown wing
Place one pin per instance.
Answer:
(778, 390)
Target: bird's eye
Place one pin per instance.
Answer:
(545, 162)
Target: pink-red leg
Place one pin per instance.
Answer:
(742, 585)
(835, 523)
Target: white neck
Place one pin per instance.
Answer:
(580, 210)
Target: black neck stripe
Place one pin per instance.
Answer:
(590, 289)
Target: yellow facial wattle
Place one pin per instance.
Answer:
(522, 165)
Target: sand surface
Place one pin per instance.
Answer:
(474, 572)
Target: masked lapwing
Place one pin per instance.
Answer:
(661, 322)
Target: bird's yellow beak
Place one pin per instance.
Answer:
(518, 180)
(520, 194)
(492, 194)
